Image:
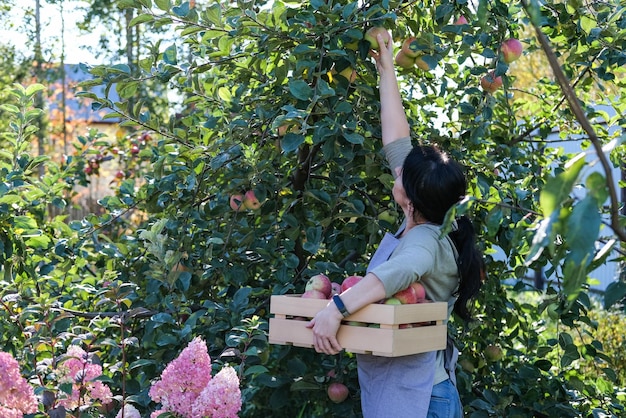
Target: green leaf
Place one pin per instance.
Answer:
(583, 229)
(182, 10)
(558, 188)
(574, 276)
(304, 385)
(597, 187)
(24, 222)
(570, 355)
(164, 5)
(256, 369)
(354, 138)
(291, 142)
(213, 14)
(169, 55)
(10, 108)
(300, 90)
(614, 293)
(587, 24)
(142, 18)
(34, 88)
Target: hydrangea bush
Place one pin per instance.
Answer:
(17, 397)
(187, 390)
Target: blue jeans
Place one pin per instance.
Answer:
(445, 401)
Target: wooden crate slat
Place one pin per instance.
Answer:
(374, 313)
(386, 340)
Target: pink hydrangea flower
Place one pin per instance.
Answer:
(221, 398)
(17, 397)
(183, 379)
(187, 389)
(81, 372)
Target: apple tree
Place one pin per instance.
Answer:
(280, 98)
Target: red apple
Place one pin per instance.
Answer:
(404, 61)
(371, 34)
(236, 202)
(350, 281)
(335, 288)
(410, 47)
(511, 50)
(314, 294)
(337, 392)
(462, 20)
(419, 290)
(283, 129)
(406, 296)
(490, 83)
(319, 282)
(250, 201)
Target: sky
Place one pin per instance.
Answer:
(51, 27)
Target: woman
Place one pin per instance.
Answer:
(428, 183)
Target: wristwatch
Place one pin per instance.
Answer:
(339, 304)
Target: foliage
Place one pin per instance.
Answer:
(188, 265)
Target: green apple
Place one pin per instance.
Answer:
(392, 301)
(372, 33)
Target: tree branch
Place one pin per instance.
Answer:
(574, 105)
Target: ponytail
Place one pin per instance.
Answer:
(471, 266)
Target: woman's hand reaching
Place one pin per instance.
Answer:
(384, 56)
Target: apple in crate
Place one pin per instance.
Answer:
(350, 281)
(419, 290)
(392, 301)
(314, 294)
(335, 288)
(320, 282)
(406, 296)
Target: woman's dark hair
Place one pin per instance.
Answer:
(434, 183)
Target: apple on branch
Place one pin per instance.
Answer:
(511, 50)
(250, 200)
(337, 392)
(490, 83)
(410, 47)
(404, 61)
(462, 20)
(421, 64)
(372, 33)
(348, 73)
(236, 202)
(493, 353)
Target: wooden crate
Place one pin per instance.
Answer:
(387, 338)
